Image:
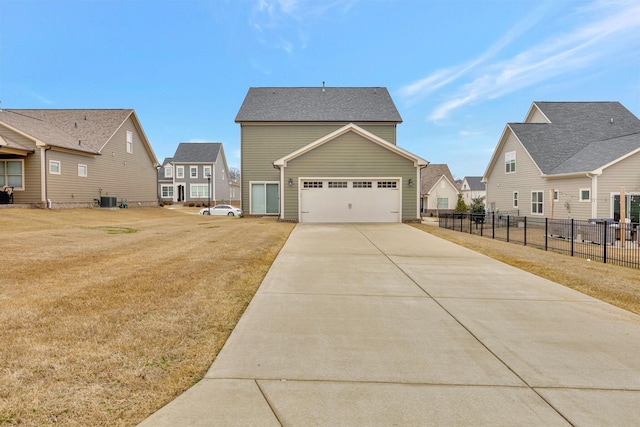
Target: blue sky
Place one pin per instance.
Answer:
(457, 70)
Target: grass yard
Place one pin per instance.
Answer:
(616, 285)
(107, 315)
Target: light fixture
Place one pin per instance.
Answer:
(290, 182)
(410, 182)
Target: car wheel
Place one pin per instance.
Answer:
(206, 213)
(230, 214)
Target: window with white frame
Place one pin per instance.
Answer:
(510, 162)
(54, 167)
(167, 191)
(179, 171)
(168, 171)
(129, 141)
(443, 203)
(206, 171)
(199, 191)
(264, 198)
(515, 199)
(12, 174)
(537, 202)
(193, 171)
(82, 170)
(585, 195)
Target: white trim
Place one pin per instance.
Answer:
(580, 190)
(129, 142)
(515, 197)
(531, 202)
(417, 161)
(22, 179)
(354, 178)
(173, 191)
(265, 202)
(86, 170)
(51, 162)
(191, 169)
(181, 169)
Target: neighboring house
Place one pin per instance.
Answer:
(326, 154)
(438, 189)
(197, 172)
(71, 158)
(471, 188)
(568, 160)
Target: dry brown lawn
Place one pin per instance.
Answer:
(107, 315)
(616, 285)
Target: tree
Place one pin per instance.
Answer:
(477, 205)
(461, 206)
(235, 173)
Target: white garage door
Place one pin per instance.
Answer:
(352, 200)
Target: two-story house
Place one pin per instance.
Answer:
(472, 188)
(326, 154)
(73, 158)
(568, 160)
(197, 172)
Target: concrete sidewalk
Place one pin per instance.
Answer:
(359, 324)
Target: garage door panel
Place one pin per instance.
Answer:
(359, 201)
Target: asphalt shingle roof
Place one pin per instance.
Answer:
(475, 183)
(64, 128)
(318, 104)
(196, 152)
(431, 174)
(581, 137)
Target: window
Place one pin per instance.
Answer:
(82, 170)
(179, 171)
(11, 174)
(206, 171)
(556, 195)
(585, 194)
(312, 184)
(337, 184)
(199, 191)
(168, 171)
(362, 184)
(54, 167)
(129, 141)
(223, 174)
(537, 199)
(443, 203)
(193, 171)
(167, 191)
(510, 162)
(387, 184)
(265, 198)
(515, 199)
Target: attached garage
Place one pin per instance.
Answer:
(350, 200)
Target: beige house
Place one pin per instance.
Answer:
(326, 154)
(73, 158)
(568, 160)
(439, 192)
(472, 188)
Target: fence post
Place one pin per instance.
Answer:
(493, 225)
(525, 231)
(470, 228)
(572, 237)
(508, 221)
(546, 234)
(604, 243)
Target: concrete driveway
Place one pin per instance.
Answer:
(359, 324)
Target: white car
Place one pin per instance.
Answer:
(227, 210)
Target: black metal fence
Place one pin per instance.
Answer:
(599, 239)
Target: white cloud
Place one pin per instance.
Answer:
(608, 32)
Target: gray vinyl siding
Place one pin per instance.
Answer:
(350, 155)
(262, 144)
(625, 173)
(32, 183)
(126, 176)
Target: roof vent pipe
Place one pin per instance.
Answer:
(611, 120)
(323, 85)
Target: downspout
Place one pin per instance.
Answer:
(44, 194)
(419, 191)
(281, 214)
(594, 195)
